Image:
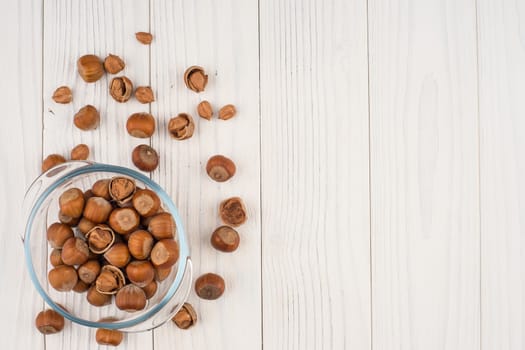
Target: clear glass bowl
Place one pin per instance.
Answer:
(41, 210)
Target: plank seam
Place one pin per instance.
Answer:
(260, 169)
(369, 176)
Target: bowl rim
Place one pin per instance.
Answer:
(184, 250)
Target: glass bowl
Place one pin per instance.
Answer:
(41, 210)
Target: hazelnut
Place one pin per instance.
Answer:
(110, 280)
(130, 298)
(90, 68)
(150, 289)
(63, 278)
(49, 322)
(232, 211)
(140, 272)
(97, 299)
(121, 89)
(68, 220)
(75, 251)
(118, 255)
(124, 220)
(144, 38)
(209, 286)
(140, 244)
(141, 125)
(144, 94)
(145, 220)
(80, 152)
(185, 317)
(55, 257)
(110, 337)
(195, 78)
(88, 271)
(88, 194)
(165, 253)
(101, 188)
(145, 158)
(51, 161)
(72, 202)
(162, 226)
(227, 112)
(181, 127)
(225, 239)
(58, 234)
(220, 168)
(97, 210)
(121, 189)
(84, 225)
(87, 118)
(113, 64)
(100, 238)
(162, 274)
(63, 95)
(146, 202)
(204, 110)
(80, 287)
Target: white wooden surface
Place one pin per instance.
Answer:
(379, 148)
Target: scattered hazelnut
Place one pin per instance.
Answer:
(101, 189)
(63, 278)
(118, 255)
(80, 287)
(209, 286)
(110, 280)
(140, 244)
(225, 239)
(63, 95)
(124, 220)
(141, 125)
(181, 127)
(97, 299)
(204, 110)
(75, 251)
(195, 78)
(87, 118)
(49, 322)
(130, 298)
(90, 68)
(162, 226)
(110, 337)
(121, 189)
(144, 38)
(121, 89)
(162, 274)
(80, 152)
(97, 210)
(100, 238)
(144, 94)
(185, 317)
(227, 112)
(150, 289)
(58, 234)
(113, 64)
(232, 211)
(140, 272)
(165, 253)
(145, 158)
(51, 161)
(220, 168)
(88, 271)
(72, 202)
(68, 220)
(146, 202)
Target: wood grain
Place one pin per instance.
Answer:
(424, 175)
(315, 198)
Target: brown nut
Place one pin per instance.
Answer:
(141, 125)
(49, 322)
(113, 64)
(121, 189)
(90, 68)
(220, 168)
(68, 220)
(146, 202)
(181, 127)
(62, 95)
(195, 78)
(97, 210)
(227, 112)
(162, 226)
(110, 280)
(97, 299)
(87, 118)
(185, 317)
(204, 110)
(51, 161)
(225, 239)
(232, 211)
(144, 94)
(89, 271)
(144, 38)
(55, 257)
(118, 255)
(140, 272)
(110, 337)
(63, 278)
(130, 298)
(121, 89)
(150, 289)
(209, 286)
(58, 234)
(101, 189)
(72, 202)
(165, 253)
(88, 194)
(81, 287)
(80, 152)
(145, 158)
(162, 274)
(124, 220)
(100, 238)
(75, 251)
(140, 244)
(84, 225)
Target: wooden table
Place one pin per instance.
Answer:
(379, 147)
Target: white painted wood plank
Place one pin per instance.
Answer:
(424, 175)
(72, 29)
(502, 170)
(314, 103)
(222, 37)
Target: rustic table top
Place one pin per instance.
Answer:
(379, 147)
